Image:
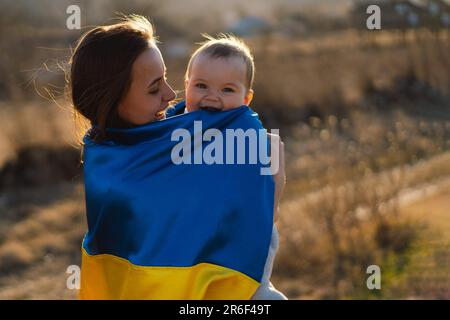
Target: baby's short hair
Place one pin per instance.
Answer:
(224, 46)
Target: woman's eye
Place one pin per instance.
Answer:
(154, 89)
(228, 90)
(201, 85)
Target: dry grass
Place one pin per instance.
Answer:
(36, 249)
(365, 120)
(24, 125)
(329, 236)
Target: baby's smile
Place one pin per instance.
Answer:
(212, 109)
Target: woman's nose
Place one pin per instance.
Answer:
(170, 94)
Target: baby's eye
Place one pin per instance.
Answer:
(201, 85)
(228, 90)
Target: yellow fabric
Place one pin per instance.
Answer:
(106, 276)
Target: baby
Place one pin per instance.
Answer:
(220, 77)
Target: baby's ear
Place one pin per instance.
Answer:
(248, 98)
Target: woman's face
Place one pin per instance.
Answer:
(149, 93)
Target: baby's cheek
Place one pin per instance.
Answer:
(234, 104)
(189, 101)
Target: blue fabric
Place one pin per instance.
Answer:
(144, 208)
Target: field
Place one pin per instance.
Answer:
(365, 118)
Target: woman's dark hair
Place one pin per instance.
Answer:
(100, 70)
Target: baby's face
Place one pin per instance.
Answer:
(217, 84)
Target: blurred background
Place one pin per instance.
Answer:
(365, 116)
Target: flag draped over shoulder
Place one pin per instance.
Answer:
(159, 230)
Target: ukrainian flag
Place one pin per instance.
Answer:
(157, 230)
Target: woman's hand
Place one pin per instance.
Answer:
(280, 175)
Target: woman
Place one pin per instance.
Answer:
(154, 233)
(102, 66)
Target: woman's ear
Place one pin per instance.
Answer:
(248, 98)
